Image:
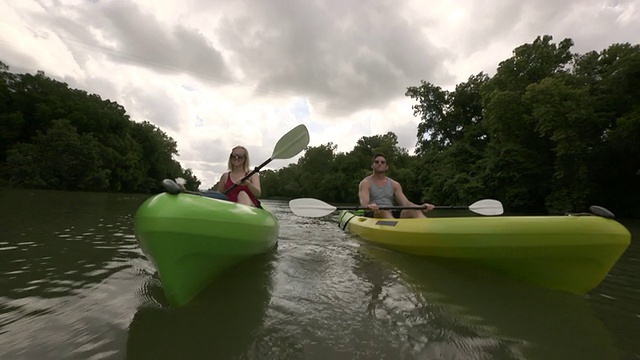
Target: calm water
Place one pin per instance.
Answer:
(75, 285)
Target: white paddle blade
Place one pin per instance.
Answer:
(308, 207)
(291, 143)
(487, 207)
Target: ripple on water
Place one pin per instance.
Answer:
(92, 294)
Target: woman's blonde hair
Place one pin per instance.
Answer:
(245, 164)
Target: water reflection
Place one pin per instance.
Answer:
(220, 323)
(74, 285)
(469, 311)
(617, 299)
(55, 243)
(426, 326)
(67, 262)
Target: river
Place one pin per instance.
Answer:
(75, 285)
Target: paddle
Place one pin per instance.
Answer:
(287, 147)
(174, 189)
(308, 207)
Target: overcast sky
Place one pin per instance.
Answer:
(216, 73)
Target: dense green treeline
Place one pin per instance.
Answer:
(55, 137)
(550, 132)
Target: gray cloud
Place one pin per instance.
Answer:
(341, 57)
(345, 55)
(142, 38)
(130, 36)
(592, 24)
(159, 108)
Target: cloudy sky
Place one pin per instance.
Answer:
(216, 73)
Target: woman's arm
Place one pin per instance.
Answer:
(254, 185)
(223, 180)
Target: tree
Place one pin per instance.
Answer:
(566, 117)
(613, 77)
(512, 129)
(59, 159)
(452, 140)
(121, 155)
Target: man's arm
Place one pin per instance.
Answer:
(363, 193)
(401, 199)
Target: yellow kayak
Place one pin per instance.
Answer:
(567, 253)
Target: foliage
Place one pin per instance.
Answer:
(550, 132)
(323, 173)
(59, 159)
(55, 137)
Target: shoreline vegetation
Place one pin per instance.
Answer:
(551, 132)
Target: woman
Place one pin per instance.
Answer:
(248, 191)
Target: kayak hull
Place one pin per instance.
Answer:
(567, 253)
(191, 239)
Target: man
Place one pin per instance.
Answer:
(377, 190)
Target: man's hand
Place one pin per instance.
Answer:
(428, 207)
(373, 207)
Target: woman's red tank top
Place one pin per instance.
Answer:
(233, 194)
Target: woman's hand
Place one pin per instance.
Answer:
(247, 183)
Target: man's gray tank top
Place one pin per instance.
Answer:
(381, 195)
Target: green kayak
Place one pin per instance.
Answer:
(567, 253)
(191, 238)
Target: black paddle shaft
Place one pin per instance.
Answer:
(255, 170)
